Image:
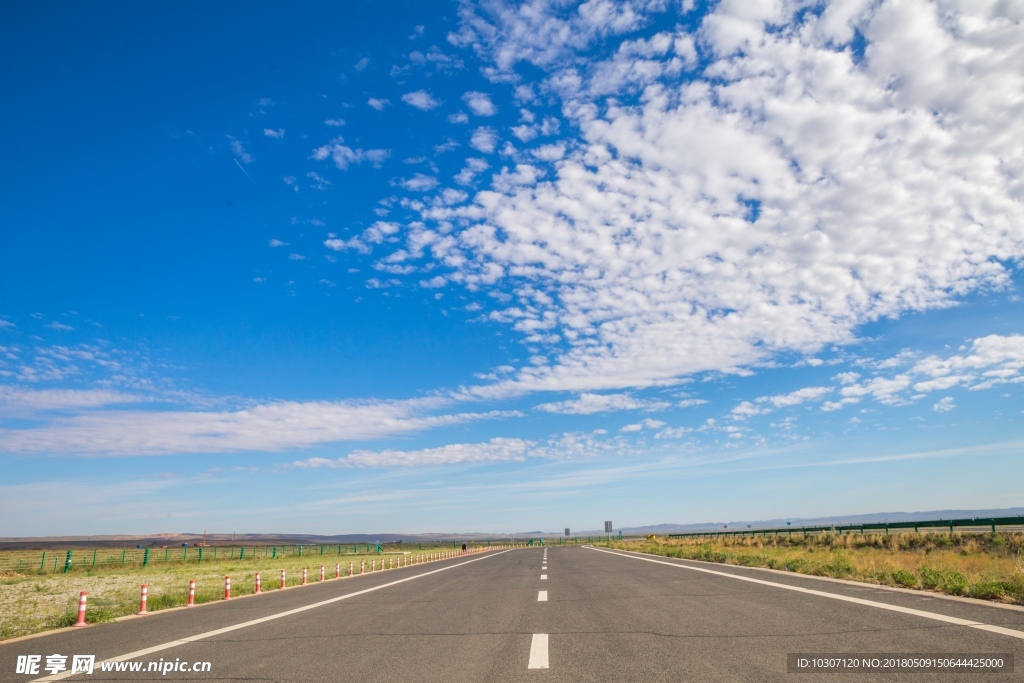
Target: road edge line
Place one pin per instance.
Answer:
(253, 622)
(935, 616)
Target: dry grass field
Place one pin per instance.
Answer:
(989, 566)
(32, 600)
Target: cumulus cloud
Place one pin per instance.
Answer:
(484, 139)
(792, 190)
(480, 103)
(983, 363)
(277, 134)
(344, 156)
(421, 99)
(588, 404)
(265, 427)
(377, 103)
(944, 405)
(419, 183)
(795, 398)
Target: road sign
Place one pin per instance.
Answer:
(566, 531)
(607, 527)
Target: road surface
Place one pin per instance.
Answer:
(536, 614)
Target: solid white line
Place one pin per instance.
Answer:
(543, 577)
(845, 598)
(235, 627)
(542, 596)
(539, 651)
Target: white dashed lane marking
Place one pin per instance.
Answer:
(542, 596)
(543, 577)
(539, 651)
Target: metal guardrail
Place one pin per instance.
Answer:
(988, 523)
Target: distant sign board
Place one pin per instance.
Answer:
(607, 527)
(566, 531)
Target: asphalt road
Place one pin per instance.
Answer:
(598, 616)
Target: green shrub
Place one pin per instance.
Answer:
(930, 578)
(954, 583)
(988, 590)
(904, 578)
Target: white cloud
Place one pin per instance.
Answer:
(419, 183)
(495, 450)
(344, 156)
(691, 402)
(276, 134)
(17, 400)
(588, 404)
(59, 326)
(378, 104)
(277, 243)
(484, 139)
(480, 103)
(747, 409)
(566, 446)
(458, 117)
(673, 433)
(646, 423)
(944, 405)
(265, 427)
(317, 181)
(334, 122)
(362, 64)
(473, 167)
(776, 201)
(421, 99)
(991, 360)
(6, 323)
(240, 152)
(797, 397)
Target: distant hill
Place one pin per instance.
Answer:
(866, 518)
(176, 539)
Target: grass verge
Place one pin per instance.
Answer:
(986, 566)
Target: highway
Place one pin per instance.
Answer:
(555, 614)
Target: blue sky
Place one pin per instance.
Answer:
(498, 267)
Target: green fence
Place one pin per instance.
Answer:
(63, 561)
(992, 524)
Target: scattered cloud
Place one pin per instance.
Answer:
(647, 423)
(484, 139)
(944, 405)
(588, 404)
(419, 183)
(59, 326)
(334, 122)
(344, 156)
(378, 104)
(480, 103)
(240, 152)
(272, 133)
(421, 99)
(794, 157)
